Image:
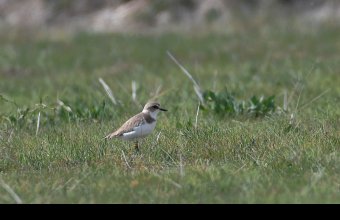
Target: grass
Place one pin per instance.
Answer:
(288, 156)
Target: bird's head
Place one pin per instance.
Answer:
(153, 108)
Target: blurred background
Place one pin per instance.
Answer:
(161, 15)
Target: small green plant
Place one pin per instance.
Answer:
(54, 112)
(224, 103)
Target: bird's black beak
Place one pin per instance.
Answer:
(162, 109)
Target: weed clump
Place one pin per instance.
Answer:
(225, 103)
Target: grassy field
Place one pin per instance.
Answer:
(290, 155)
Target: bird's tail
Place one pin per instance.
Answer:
(110, 136)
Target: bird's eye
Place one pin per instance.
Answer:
(155, 106)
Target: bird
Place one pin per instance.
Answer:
(139, 125)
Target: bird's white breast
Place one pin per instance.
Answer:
(140, 131)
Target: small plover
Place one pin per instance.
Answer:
(139, 125)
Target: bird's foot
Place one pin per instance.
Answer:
(137, 147)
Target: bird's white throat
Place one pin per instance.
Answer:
(152, 114)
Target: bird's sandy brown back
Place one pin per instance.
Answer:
(128, 126)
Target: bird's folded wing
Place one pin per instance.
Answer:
(128, 126)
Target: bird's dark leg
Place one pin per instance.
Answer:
(137, 146)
